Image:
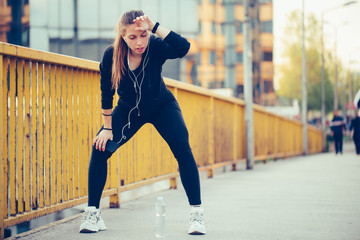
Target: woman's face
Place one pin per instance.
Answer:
(137, 40)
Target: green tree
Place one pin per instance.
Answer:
(290, 72)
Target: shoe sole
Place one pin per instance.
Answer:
(87, 227)
(197, 233)
(87, 231)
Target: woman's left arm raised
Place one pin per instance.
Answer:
(173, 46)
(145, 23)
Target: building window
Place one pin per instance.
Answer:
(239, 27)
(212, 85)
(25, 37)
(252, 20)
(194, 75)
(240, 89)
(239, 57)
(222, 27)
(255, 67)
(215, 84)
(26, 2)
(265, 1)
(268, 87)
(199, 58)
(238, 2)
(212, 57)
(268, 56)
(267, 26)
(213, 27)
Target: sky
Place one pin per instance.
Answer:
(345, 19)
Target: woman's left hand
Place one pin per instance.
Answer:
(143, 23)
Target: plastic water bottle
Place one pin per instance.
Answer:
(160, 217)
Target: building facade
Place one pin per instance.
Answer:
(215, 17)
(14, 21)
(84, 28)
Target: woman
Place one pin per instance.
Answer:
(337, 127)
(132, 65)
(355, 124)
(355, 132)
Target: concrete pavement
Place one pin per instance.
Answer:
(314, 197)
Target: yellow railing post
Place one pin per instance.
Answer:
(211, 138)
(81, 110)
(276, 137)
(71, 129)
(27, 178)
(20, 137)
(39, 202)
(173, 183)
(236, 126)
(266, 136)
(46, 163)
(65, 146)
(53, 156)
(34, 133)
(76, 132)
(115, 183)
(12, 138)
(3, 117)
(59, 137)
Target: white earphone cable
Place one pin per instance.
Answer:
(136, 84)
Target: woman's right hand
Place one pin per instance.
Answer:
(101, 139)
(143, 23)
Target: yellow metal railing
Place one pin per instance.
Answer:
(50, 112)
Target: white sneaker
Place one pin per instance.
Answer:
(101, 224)
(196, 223)
(92, 222)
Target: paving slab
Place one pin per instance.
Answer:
(313, 197)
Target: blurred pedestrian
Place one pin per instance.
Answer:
(357, 99)
(355, 124)
(132, 66)
(337, 126)
(355, 132)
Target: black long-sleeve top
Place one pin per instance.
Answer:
(337, 125)
(154, 92)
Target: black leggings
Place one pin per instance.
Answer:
(169, 122)
(338, 141)
(357, 145)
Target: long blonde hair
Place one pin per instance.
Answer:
(120, 46)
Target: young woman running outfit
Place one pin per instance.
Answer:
(144, 98)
